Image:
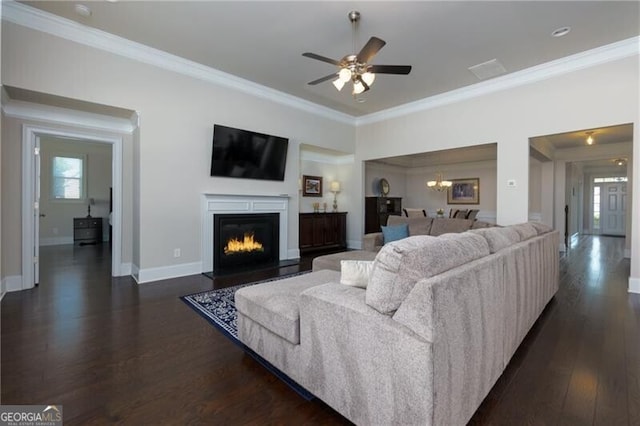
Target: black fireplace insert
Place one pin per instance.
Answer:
(244, 241)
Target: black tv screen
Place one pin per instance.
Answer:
(245, 154)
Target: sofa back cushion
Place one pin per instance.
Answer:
(400, 264)
(498, 238)
(526, 230)
(542, 228)
(446, 226)
(417, 225)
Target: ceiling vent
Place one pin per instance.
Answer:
(488, 69)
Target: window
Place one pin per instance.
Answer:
(596, 207)
(610, 179)
(68, 177)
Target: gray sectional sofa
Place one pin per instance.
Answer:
(427, 338)
(423, 226)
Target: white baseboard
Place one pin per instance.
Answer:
(12, 283)
(291, 254)
(55, 241)
(634, 285)
(535, 216)
(354, 244)
(125, 269)
(165, 272)
(135, 272)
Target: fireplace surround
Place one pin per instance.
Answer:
(243, 204)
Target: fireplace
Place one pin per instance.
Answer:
(245, 240)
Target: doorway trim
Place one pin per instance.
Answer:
(30, 137)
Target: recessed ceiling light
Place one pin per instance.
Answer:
(361, 100)
(82, 10)
(561, 32)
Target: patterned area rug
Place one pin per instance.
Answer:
(219, 308)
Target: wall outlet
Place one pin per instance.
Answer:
(511, 183)
(176, 252)
(55, 231)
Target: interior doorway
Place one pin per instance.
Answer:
(31, 194)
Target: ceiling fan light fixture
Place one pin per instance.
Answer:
(344, 75)
(590, 139)
(339, 84)
(358, 88)
(368, 78)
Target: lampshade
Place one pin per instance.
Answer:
(339, 84)
(344, 75)
(439, 184)
(358, 88)
(334, 186)
(368, 78)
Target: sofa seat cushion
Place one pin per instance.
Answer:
(274, 305)
(446, 226)
(332, 261)
(400, 264)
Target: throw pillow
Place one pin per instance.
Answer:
(394, 233)
(355, 272)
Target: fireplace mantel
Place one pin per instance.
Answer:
(223, 203)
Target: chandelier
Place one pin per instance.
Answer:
(439, 184)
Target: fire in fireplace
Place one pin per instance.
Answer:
(242, 241)
(245, 245)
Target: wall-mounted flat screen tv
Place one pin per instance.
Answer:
(245, 154)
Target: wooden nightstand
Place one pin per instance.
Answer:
(87, 230)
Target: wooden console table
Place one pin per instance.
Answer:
(322, 231)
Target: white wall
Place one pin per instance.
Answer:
(56, 227)
(510, 117)
(422, 197)
(177, 114)
(396, 176)
(337, 168)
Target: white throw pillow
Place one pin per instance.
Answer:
(355, 272)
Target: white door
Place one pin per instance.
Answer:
(36, 214)
(613, 205)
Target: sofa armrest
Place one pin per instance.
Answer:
(367, 366)
(372, 242)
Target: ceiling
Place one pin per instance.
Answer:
(263, 41)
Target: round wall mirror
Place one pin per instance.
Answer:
(384, 186)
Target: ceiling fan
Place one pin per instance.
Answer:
(356, 68)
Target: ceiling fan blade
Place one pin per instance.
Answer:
(321, 58)
(370, 49)
(323, 79)
(389, 69)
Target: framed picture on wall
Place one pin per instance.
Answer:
(311, 186)
(464, 191)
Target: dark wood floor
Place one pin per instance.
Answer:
(112, 351)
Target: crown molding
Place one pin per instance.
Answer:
(326, 158)
(50, 114)
(45, 22)
(39, 20)
(578, 61)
